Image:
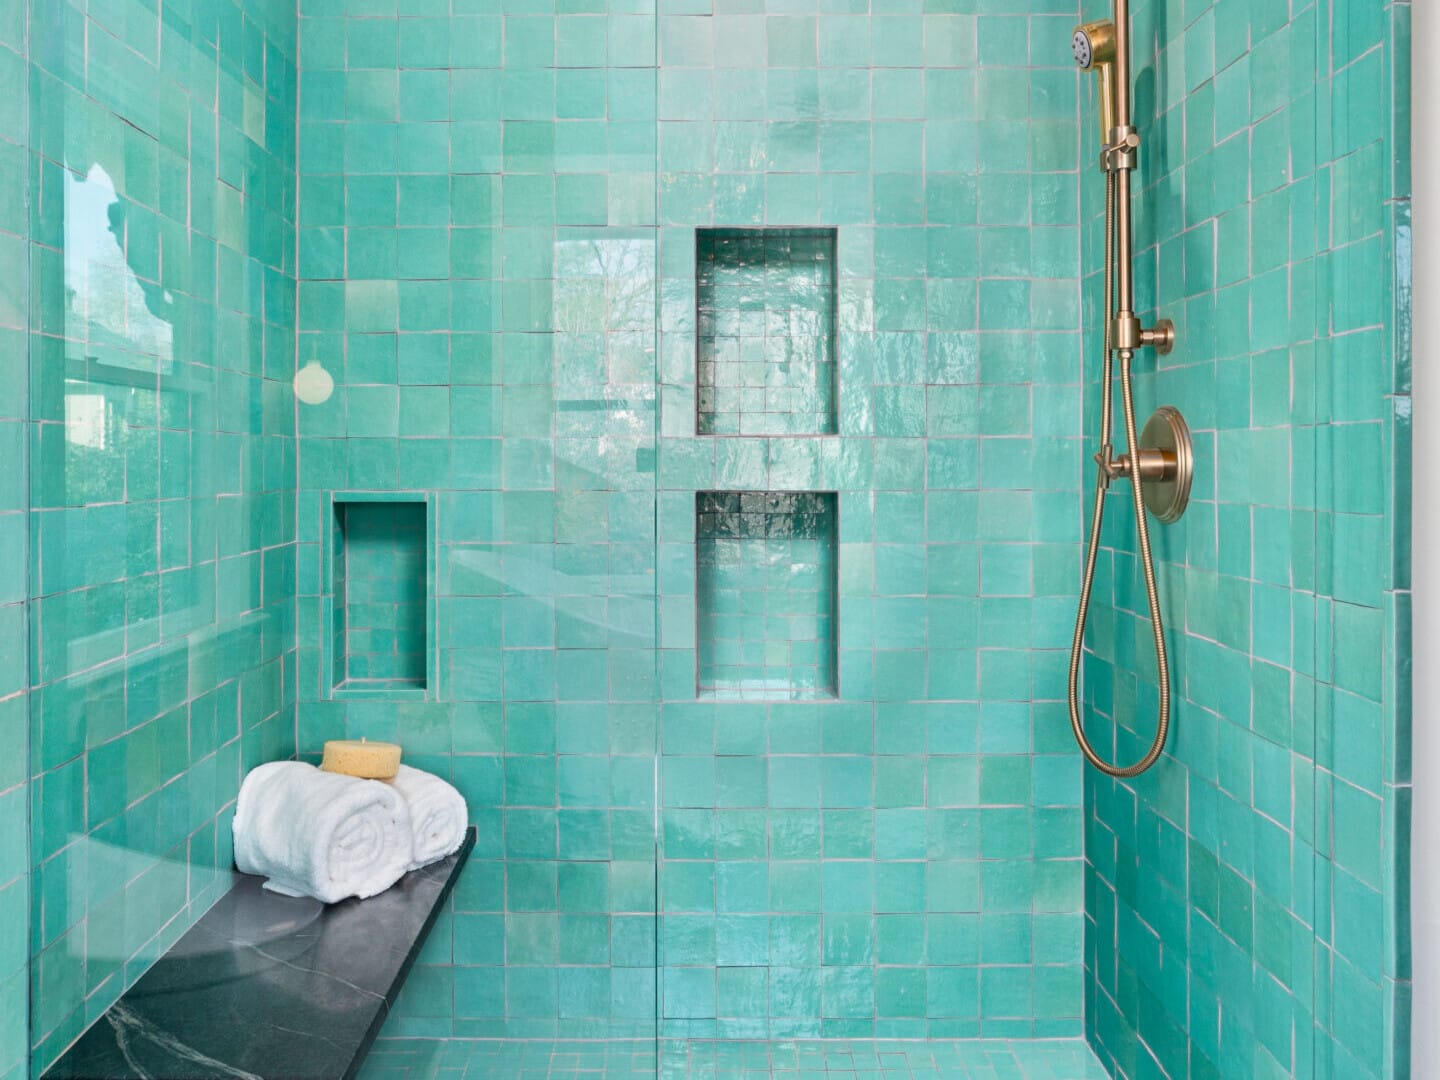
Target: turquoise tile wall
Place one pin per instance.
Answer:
(14, 507)
(496, 251)
(499, 201)
(477, 263)
(904, 860)
(161, 484)
(1246, 900)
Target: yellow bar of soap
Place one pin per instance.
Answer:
(357, 757)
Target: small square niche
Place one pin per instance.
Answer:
(766, 595)
(381, 602)
(765, 331)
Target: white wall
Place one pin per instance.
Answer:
(1425, 573)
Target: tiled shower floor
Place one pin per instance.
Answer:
(969, 1059)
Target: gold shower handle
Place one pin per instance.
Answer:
(1155, 464)
(1106, 75)
(1165, 462)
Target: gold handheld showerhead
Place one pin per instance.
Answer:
(1094, 44)
(1094, 47)
(1159, 461)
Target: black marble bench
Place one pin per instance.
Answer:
(268, 986)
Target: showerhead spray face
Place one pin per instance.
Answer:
(1093, 44)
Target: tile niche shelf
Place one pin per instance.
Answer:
(765, 322)
(382, 610)
(766, 595)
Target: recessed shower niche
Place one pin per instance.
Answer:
(766, 588)
(765, 331)
(381, 606)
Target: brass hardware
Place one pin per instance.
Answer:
(1126, 332)
(1094, 44)
(1121, 25)
(1114, 158)
(1094, 47)
(1120, 151)
(1105, 74)
(1159, 463)
(1161, 337)
(1165, 462)
(1154, 464)
(1165, 442)
(1109, 466)
(1124, 245)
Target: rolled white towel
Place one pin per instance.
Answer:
(438, 815)
(320, 834)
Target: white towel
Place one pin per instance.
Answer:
(320, 834)
(438, 815)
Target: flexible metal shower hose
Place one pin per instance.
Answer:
(1142, 528)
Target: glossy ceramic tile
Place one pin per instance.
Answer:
(836, 868)
(382, 576)
(481, 228)
(765, 585)
(1242, 892)
(500, 275)
(14, 543)
(765, 325)
(989, 1059)
(161, 472)
(458, 1059)
(477, 263)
